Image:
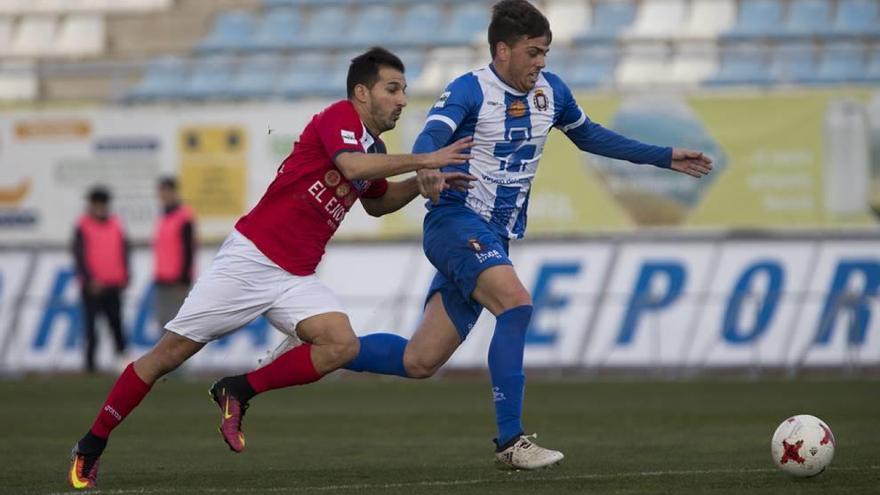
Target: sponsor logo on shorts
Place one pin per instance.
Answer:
(482, 257)
(475, 245)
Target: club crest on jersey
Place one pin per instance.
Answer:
(331, 178)
(348, 137)
(349, 200)
(516, 109)
(342, 190)
(441, 102)
(541, 101)
(475, 245)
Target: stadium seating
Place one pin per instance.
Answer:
(657, 19)
(277, 30)
(18, 81)
(609, 17)
(75, 6)
(840, 62)
(793, 63)
(306, 76)
(592, 66)
(756, 19)
(692, 63)
(856, 18)
(421, 25)
(34, 37)
(743, 63)
(467, 24)
(567, 18)
(707, 19)
(210, 77)
(806, 18)
(231, 32)
(81, 35)
(643, 64)
(370, 26)
(326, 28)
(256, 77)
(872, 70)
(164, 78)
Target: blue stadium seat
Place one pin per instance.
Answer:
(591, 66)
(756, 19)
(327, 27)
(856, 18)
(209, 79)
(609, 18)
(414, 62)
(743, 63)
(279, 29)
(163, 79)
(806, 18)
(371, 26)
(231, 32)
(841, 62)
(466, 23)
(872, 71)
(306, 76)
(793, 63)
(256, 76)
(422, 25)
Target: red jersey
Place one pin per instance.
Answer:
(309, 197)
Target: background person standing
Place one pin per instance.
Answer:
(101, 254)
(174, 245)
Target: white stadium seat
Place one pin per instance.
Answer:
(6, 25)
(81, 35)
(708, 18)
(644, 64)
(657, 19)
(35, 36)
(18, 81)
(693, 63)
(567, 18)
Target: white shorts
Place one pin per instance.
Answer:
(242, 284)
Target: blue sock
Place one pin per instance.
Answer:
(380, 353)
(506, 369)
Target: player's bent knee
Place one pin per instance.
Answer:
(343, 350)
(419, 368)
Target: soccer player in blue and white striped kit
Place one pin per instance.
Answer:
(509, 107)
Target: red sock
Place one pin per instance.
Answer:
(127, 393)
(294, 367)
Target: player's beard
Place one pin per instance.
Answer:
(387, 121)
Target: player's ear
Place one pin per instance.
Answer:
(361, 93)
(502, 51)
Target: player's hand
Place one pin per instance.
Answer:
(690, 162)
(454, 154)
(431, 183)
(458, 181)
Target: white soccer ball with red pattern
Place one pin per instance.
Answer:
(803, 445)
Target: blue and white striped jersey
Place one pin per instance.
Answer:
(509, 129)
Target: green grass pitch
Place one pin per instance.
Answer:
(391, 436)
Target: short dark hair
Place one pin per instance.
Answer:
(514, 19)
(364, 68)
(168, 182)
(99, 194)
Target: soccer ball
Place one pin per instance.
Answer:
(803, 445)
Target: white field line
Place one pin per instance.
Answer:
(511, 477)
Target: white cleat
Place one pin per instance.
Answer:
(526, 454)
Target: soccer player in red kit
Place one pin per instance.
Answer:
(267, 264)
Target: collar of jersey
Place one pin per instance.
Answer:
(504, 84)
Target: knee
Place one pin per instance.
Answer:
(514, 299)
(419, 367)
(343, 350)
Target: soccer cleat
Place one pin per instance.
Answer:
(231, 413)
(526, 454)
(83, 472)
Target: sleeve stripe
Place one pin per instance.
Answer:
(444, 119)
(576, 123)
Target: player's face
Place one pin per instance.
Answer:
(527, 57)
(387, 98)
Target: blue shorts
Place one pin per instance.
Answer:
(460, 244)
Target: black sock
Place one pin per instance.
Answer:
(238, 386)
(91, 445)
(499, 448)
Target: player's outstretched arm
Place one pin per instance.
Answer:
(399, 194)
(690, 162)
(368, 166)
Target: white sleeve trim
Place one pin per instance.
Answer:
(442, 118)
(576, 123)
